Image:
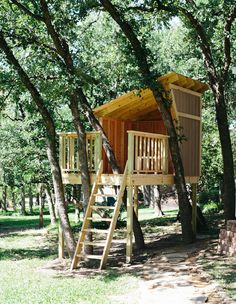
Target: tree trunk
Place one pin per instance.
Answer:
(51, 145)
(50, 205)
(41, 206)
(85, 175)
(157, 200)
(217, 79)
(4, 198)
(139, 240)
(22, 204)
(184, 204)
(31, 200)
(227, 153)
(13, 199)
(140, 54)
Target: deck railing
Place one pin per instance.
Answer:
(68, 149)
(147, 153)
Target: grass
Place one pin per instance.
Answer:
(25, 249)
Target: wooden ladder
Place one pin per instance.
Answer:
(89, 217)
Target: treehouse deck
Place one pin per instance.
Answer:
(147, 156)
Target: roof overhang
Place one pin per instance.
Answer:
(137, 104)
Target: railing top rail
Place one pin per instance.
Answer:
(74, 134)
(146, 134)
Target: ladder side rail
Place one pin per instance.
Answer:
(114, 218)
(88, 213)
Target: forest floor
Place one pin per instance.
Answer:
(166, 271)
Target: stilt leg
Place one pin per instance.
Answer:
(194, 207)
(129, 241)
(136, 200)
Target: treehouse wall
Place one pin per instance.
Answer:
(116, 131)
(188, 106)
(188, 110)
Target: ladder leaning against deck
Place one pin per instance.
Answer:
(92, 206)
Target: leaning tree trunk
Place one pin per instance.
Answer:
(50, 205)
(85, 175)
(139, 239)
(184, 204)
(51, 145)
(60, 199)
(140, 54)
(227, 154)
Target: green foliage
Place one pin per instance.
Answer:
(211, 207)
(205, 196)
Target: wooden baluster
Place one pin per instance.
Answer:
(62, 152)
(136, 145)
(67, 152)
(152, 153)
(71, 155)
(148, 153)
(144, 153)
(140, 152)
(155, 155)
(98, 150)
(166, 169)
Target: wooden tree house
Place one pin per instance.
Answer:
(138, 136)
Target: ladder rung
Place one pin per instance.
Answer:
(94, 243)
(101, 219)
(102, 207)
(106, 195)
(96, 230)
(119, 241)
(90, 256)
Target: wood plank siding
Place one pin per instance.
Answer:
(116, 131)
(189, 114)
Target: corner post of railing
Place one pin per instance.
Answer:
(130, 152)
(166, 159)
(129, 224)
(98, 150)
(61, 151)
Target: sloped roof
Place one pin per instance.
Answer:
(136, 104)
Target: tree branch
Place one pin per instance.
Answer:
(26, 10)
(60, 43)
(28, 84)
(200, 32)
(138, 49)
(227, 43)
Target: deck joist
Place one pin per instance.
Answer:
(134, 179)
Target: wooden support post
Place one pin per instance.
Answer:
(61, 245)
(194, 207)
(129, 240)
(166, 155)
(136, 200)
(98, 150)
